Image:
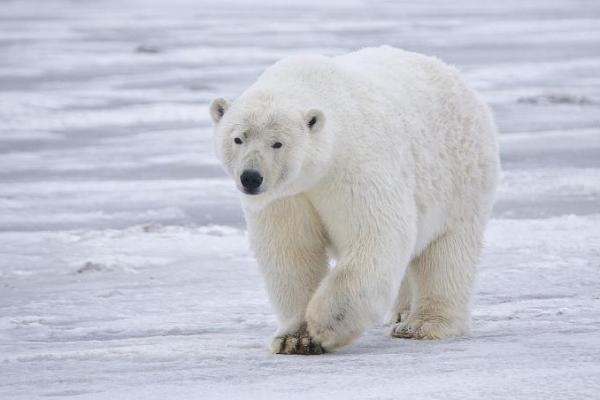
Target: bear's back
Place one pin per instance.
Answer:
(300, 69)
(387, 71)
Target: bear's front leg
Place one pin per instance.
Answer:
(289, 243)
(360, 289)
(347, 302)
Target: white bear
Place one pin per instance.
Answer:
(367, 178)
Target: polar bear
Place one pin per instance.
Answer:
(367, 181)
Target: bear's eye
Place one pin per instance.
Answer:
(237, 140)
(277, 145)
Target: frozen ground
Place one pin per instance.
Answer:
(124, 270)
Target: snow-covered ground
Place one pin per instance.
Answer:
(124, 268)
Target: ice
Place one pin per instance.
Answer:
(124, 265)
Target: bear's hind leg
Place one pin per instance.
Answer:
(442, 279)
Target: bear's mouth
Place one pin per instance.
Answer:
(251, 192)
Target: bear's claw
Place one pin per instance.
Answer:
(298, 342)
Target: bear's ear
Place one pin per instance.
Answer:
(314, 120)
(217, 109)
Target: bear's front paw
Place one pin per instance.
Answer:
(299, 342)
(332, 325)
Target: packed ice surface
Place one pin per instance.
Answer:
(124, 267)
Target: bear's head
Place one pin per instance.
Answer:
(271, 150)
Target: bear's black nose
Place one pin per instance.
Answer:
(251, 180)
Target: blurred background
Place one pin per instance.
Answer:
(123, 263)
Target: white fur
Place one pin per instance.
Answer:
(395, 180)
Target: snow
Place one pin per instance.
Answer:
(124, 266)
